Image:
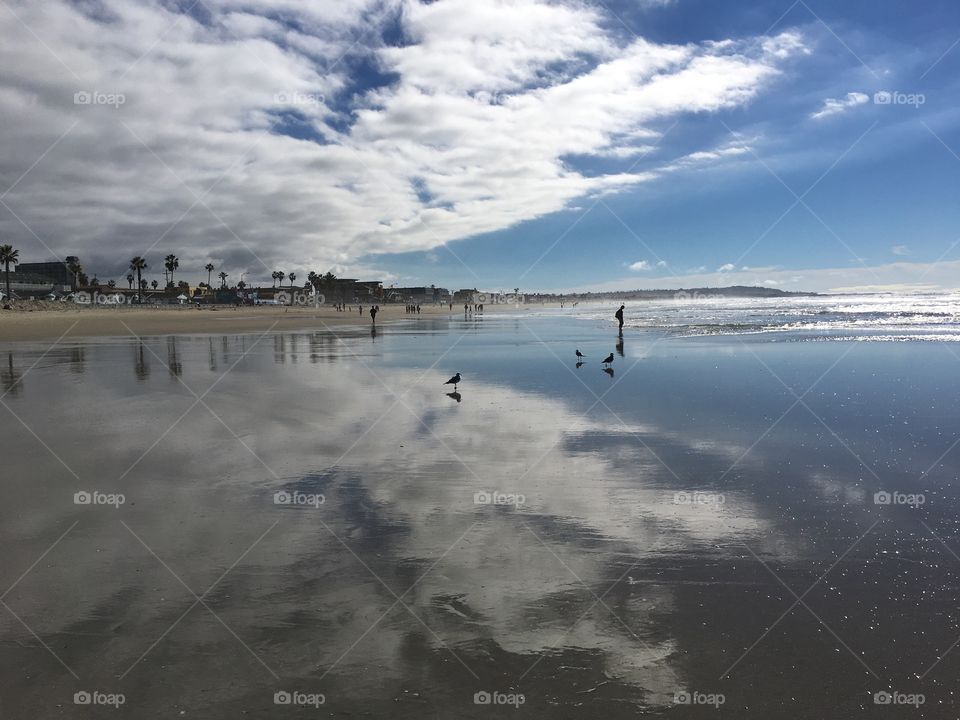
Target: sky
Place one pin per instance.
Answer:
(542, 145)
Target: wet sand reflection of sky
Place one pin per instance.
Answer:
(597, 590)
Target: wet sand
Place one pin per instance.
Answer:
(187, 320)
(304, 513)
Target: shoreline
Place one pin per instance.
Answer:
(50, 324)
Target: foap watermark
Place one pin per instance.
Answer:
(85, 97)
(298, 698)
(885, 497)
(96, 697)
(83, 297)
(895, 97)
(495, 497)
(498, 298)
(298, 498)
(496, 697)
(490, 98)
(898, 698)
(695, 697)
(695, 497)
(95, 497)
(296, 98)
(694, 296)
(299, 297)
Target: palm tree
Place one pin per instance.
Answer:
(138, 265)
(76, 272)
(223, 279)
(209, 268)
(130, 280)
(171, 262)
(7, 256)
(292, 276)
(153, 284)
(276, 275)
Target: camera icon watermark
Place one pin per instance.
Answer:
(82, 497)
(85, 97)
(885, 497)
(898, 698)
(495, 497)
(298, 698)
(695, 497)
(96, 697)
(695, 697)
(296, 497)
(495, 697)
(894, 97)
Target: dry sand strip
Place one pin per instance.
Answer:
(42, 324)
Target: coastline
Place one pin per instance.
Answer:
(46, 324)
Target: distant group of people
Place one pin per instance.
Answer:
(340, 307)
(476, 308)
(413, 309)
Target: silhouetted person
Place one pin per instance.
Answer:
(373, 314)
(619, 316)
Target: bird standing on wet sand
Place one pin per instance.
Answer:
(455, 380)
(608, 360)
(580, 355)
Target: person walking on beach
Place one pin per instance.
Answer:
(373, 314)
(619, 316)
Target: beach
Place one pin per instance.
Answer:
(48, 323)
(229, 520)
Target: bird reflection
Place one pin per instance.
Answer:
(455, 395)
(608, 371)
(579, 364)
(11, 377)
(620, 346)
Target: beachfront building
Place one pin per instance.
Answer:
(53, 272)
(421, 295)
(465, 295)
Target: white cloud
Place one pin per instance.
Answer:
(900, 250)
(662, 263)
(834, 106)
(728, 267)
(242, 138)
(640, 265)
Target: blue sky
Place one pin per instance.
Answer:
(547, 145)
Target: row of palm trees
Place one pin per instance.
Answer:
(280, 275)
(171, 263)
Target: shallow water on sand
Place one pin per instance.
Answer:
(317, 514)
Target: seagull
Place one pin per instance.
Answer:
(580, 355)
(455, 380)
(608, 360)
